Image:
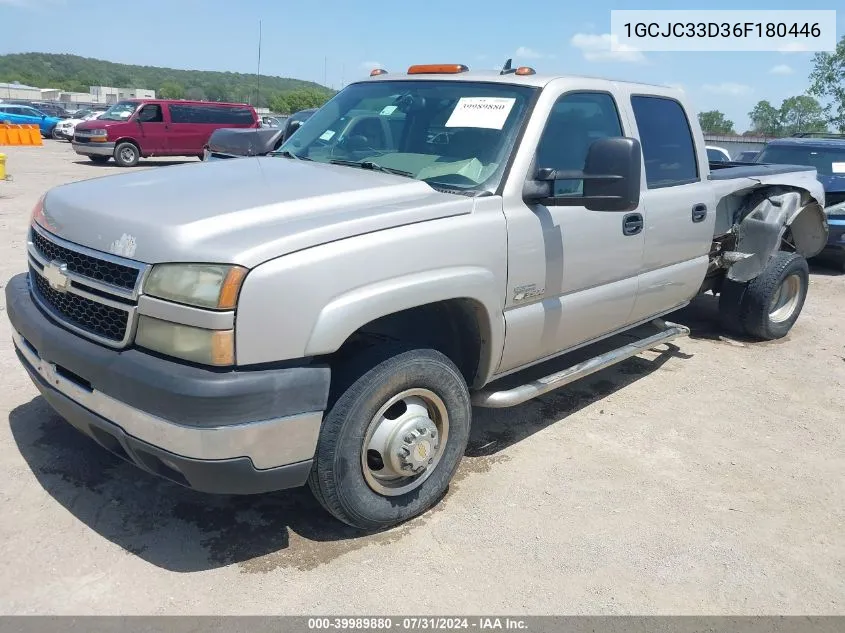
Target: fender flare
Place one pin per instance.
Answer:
(348, 312)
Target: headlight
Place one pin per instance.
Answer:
(202, 285)
(208, 347)
(98, 133)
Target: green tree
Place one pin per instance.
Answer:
(171, 90)
(765, 119)
(216, 92)
(714, 122)
(278, 103)
(75, 73)
(827, 80)
(801, 114)
(195, 93)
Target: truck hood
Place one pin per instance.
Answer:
(243, 211)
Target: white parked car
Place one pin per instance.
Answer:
(66, 127)
(717, 154)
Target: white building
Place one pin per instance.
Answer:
(19, 91)
(109, 94)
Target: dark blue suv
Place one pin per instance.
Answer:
(825, 152)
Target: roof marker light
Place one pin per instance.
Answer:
(423, 69)
(377, 71)
(524, 70)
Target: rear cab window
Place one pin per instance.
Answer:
(828, 160)
(667, 141)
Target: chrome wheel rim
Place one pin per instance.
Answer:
(785, 301)
(404, 442)
(127, 154)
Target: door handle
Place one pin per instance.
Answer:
(632, 223)
(699, 212)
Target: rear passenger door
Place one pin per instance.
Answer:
(678, 205)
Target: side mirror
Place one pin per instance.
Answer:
(611, 178)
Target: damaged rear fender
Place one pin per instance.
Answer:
(776, 215)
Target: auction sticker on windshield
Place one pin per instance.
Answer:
(486, 112)
(837, 168)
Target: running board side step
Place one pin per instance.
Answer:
(523, 393)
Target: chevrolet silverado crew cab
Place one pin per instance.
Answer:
(425, 242)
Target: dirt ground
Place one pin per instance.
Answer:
(707, 480)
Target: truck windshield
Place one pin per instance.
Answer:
(826, 160)
(120, 111)
(452, 134)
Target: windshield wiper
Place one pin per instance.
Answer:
(368, 164)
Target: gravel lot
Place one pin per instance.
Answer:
(708, 480)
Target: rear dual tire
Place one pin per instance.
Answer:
(767, 306)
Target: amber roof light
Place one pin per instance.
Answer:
(524, 70)
(424, 69)
(377, 71)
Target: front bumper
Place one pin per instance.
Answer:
(234, 432)
(93, 149)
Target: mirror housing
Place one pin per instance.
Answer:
(611, 176)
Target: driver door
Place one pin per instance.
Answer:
(153, 132)
(572, 273)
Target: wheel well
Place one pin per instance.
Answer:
(128, 140)
(452, 327)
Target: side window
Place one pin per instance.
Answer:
(181, 113)
(666, 138)
(151, 113)
(575, 122)
(178, 114)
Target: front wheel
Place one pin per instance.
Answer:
(127, 154)
(393, 439)
(768, 306)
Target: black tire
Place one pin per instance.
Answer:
(100, 160)
(730, 306)
(55, 134)
(751, 303)
(127, 154)
(360, 389)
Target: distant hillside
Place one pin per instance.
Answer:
(76, 74)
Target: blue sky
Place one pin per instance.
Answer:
(340, 40)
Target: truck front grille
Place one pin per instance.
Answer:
(92, 293)
(86, 265)
(95, 318)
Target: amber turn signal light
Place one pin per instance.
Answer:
(422, 69)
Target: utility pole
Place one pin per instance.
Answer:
(258, 71)
(325, 69)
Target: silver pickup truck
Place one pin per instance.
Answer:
(425, 242)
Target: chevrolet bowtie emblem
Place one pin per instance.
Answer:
(56, 275)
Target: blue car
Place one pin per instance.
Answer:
(825, 152)
(24, 115)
